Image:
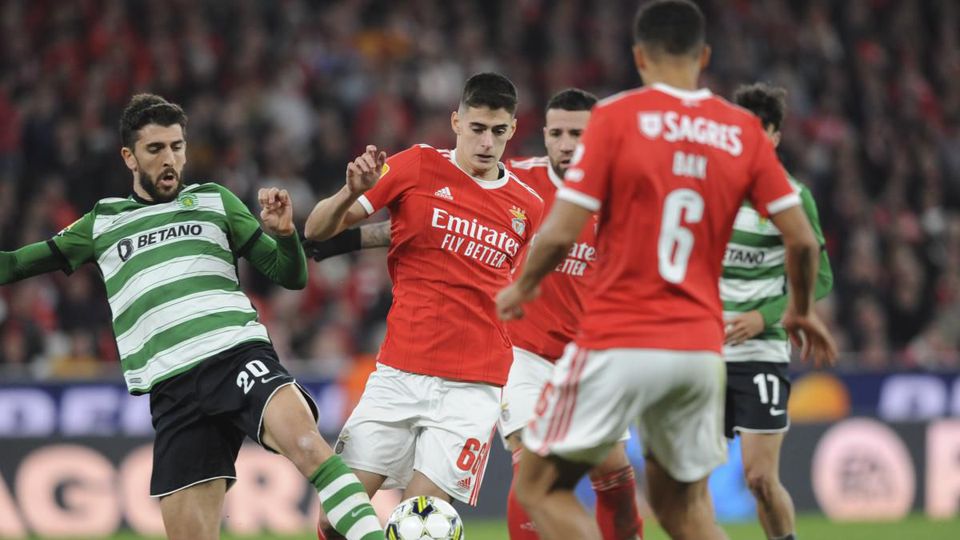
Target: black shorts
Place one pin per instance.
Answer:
(757, 395)
(202, 415)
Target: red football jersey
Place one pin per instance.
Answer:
(667, 170)
(551, 320)
(454, 241)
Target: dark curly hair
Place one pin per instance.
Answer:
(769, 103)
(146, 109)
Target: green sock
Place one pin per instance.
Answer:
(345, 502)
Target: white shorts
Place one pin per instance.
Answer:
(529, 373)
(676, 398)
(406, 422)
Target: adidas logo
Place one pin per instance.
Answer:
(444, 193)
(463, 483)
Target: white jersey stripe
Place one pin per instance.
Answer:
(174, 270)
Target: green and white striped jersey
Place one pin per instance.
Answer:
(754, 278)
(171, 277)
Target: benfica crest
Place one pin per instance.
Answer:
(519, 221)
(651, 124)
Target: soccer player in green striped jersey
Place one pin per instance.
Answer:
(753, 290)
(187, 334)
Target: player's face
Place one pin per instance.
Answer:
(482, 135)
(561, 135)
(157, 161)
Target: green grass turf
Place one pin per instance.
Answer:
(811, 527)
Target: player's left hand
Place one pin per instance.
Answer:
(743, 327)
(811, 336)
(510, 301)
(277, 211)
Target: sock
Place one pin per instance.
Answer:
(345, 502)
(617, 512)
(519, 524)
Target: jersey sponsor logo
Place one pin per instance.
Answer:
(486, 244)
(166, 234)
(444, 193)
(188, 201)
(675, 127)
(519, 221)
(742, 256)
(125, 249)
(579, 256)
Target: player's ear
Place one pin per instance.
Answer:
(705, 57)
(455, 122)
(639, 57)
(129, 159)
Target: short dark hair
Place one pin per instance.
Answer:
(767, 102)
(572, 99)
(675, 27)
(146, 109)
(490, 90)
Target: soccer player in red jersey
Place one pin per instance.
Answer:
(460, 221)
(550, 324)
(667, 167)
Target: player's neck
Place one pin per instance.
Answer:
(489, 175)
(680, 77)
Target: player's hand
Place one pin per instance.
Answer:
(276, 212)
(363, 172)
(510, 301)
(811, 336)
(743, 327)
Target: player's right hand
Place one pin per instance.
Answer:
(510, 301)
(363, 172)
(811, 336)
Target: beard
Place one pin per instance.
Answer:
(149, 185)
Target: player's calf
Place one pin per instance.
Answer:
(614, 483)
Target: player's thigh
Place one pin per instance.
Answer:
(681, 422)
(189, 447)
(756, 398)
(585, 408)
(454, 440)
(528, 374)
(378, 437)
(761, 454)
(290, 427)
(193, 513)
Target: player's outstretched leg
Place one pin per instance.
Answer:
(545, 489)
(193, 513)
(761, 465)
(290, 428)
(519, 524)
(684, 509)
(616, 487)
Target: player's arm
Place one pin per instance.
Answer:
(28, 261)
(560, 230)
(334, 214)
(367, 236)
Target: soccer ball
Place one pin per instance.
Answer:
(424, 518)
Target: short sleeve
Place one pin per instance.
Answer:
(244, 228)
(75, 242)
(400, 173)
(587, 181)
(770, 192)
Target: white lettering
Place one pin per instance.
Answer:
(690, 165)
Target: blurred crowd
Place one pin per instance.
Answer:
(284, 92)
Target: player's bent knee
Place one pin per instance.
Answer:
(761, 483)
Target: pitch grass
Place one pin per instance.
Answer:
(811, 527)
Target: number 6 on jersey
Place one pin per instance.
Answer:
(680, 207)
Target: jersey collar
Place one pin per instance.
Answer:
(485, 184)
(690, 95)
(554, 177)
